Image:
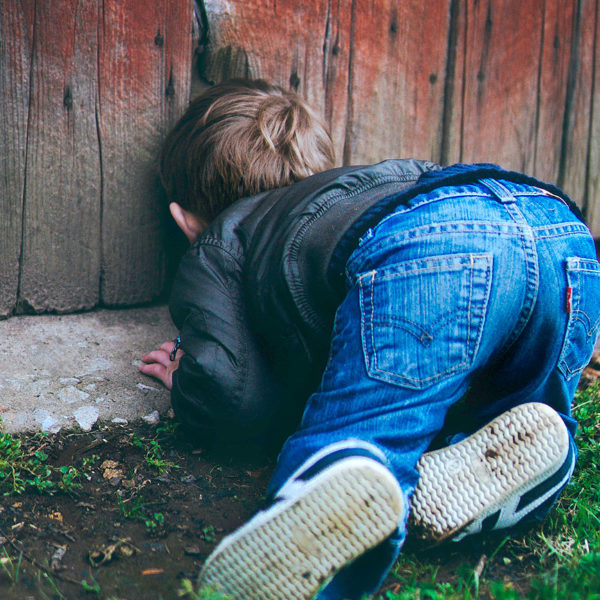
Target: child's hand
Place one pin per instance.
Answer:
(159, 364)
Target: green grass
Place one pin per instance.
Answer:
(153, 453)
(11, 566)
(558, 561)
(26, 468)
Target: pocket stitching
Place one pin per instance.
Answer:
(471, 345)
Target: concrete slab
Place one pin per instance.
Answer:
(72, 371)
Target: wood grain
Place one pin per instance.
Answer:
(60, 261)
(88, 90)
(592, 190)
(581, 161)
(144, 69)
(16, 47)
(494, 100)
(396, 80)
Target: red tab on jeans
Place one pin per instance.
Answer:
(569, 296)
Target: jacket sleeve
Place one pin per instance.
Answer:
(223, 389)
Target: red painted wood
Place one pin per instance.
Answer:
(580, 173)
(396, 79)
(501, 63)
(376, 70)
(144, 69)
(592, 195)
(504, 81)
(89, 90)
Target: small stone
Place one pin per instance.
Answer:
(46, 421)
(86, 416)
(192, 550)
(71, 394)
(152, 419)
(149, 388)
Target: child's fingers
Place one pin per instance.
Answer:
(157, 356)
(154, 369)
(168, 347)
(159, 372)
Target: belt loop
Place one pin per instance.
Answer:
(500, 191)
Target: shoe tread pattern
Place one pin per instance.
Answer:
(291, 555)
(474, 478)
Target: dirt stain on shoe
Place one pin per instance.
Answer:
(491, 454)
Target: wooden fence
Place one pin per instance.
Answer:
(88, 89)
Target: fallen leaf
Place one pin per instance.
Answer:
(109, 464)
(105, 553)
(111, 469)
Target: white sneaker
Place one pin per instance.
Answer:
(494, 479)
(328, 518)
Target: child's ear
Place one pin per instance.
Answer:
(191, 225)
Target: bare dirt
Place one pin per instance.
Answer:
(127, 531)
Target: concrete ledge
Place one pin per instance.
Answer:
(71, 371)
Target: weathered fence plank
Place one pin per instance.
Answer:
(60, 263)
(509, 91)
(144, 73)
(16, 27)
(552, 89)
(593, 166)
(397, 75)
(581, 161)
(88, 91)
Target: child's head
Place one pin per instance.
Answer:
(237, 139)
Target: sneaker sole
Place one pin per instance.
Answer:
(476, 477)
(293, 548)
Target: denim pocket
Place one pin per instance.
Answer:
(422, 319)
(583, 307)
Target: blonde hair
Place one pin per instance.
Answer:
(240, 138)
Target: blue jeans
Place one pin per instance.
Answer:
(489, 293)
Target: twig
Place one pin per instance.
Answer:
(35, 563)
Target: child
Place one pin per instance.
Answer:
(372, 300)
